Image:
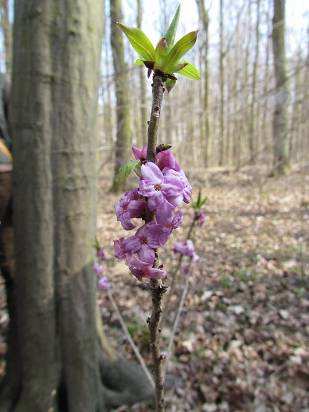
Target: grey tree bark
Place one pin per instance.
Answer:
(54, 110)
(221, 74)
(124, 138)
(204, 17)
(253, 120)
(280, 122)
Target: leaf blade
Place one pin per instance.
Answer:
(171, 31)
(179, 50)
(190, 71)
(126, 169)
(139, 41)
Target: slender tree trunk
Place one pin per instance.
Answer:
(295, 121)
(54, 110)
(221, 74)
(253, 120)
(265, 138)
(304, 131)
(280, 126)
(142, 85)
(123, 139)
(7, 34)
(204, 17)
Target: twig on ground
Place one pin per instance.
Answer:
(176, 321)
(129, 338)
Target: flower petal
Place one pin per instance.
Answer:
(150, 171)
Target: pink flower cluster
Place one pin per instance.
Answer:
(98, 268)
(186, 248)
(163, 187)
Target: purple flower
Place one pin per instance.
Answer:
(152, 234)
(141, 267)
(174, 221)
(186, 187)
(186, 269)
(103, 283)
(166, 159)
(140, 154)
(130, 205)
(147, 238)
(101, 254)
(164, 191)
(186, 248)
(201, 217)
(98, 268)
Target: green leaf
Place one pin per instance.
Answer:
(179, 67)
(139, 41)
(190, 71)
(169, 84)
(179, 50)
(126, 169)
(97, 245)
(139, 62)
(171, 31)
(161, 52)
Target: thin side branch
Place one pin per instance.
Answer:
(176, 271)
(176, 322)
(129, 338)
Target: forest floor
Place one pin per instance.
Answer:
(242, 343)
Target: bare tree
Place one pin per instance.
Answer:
(252, 124)
(221, 74)
(280, 122)
(204, 17)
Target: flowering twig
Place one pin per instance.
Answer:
(157, 289)
(163, 186)
(129, 338)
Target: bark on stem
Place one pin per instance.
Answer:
(157, 98)
(156, 287)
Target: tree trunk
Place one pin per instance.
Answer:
(142, 84)
(265, 144)
(123, 140)
(280, 127)
(252, 124)
(204, 17)
(54, 110)
(7, 34)
(221, 74)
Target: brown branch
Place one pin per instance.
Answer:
(157, 97)
(157, 289)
